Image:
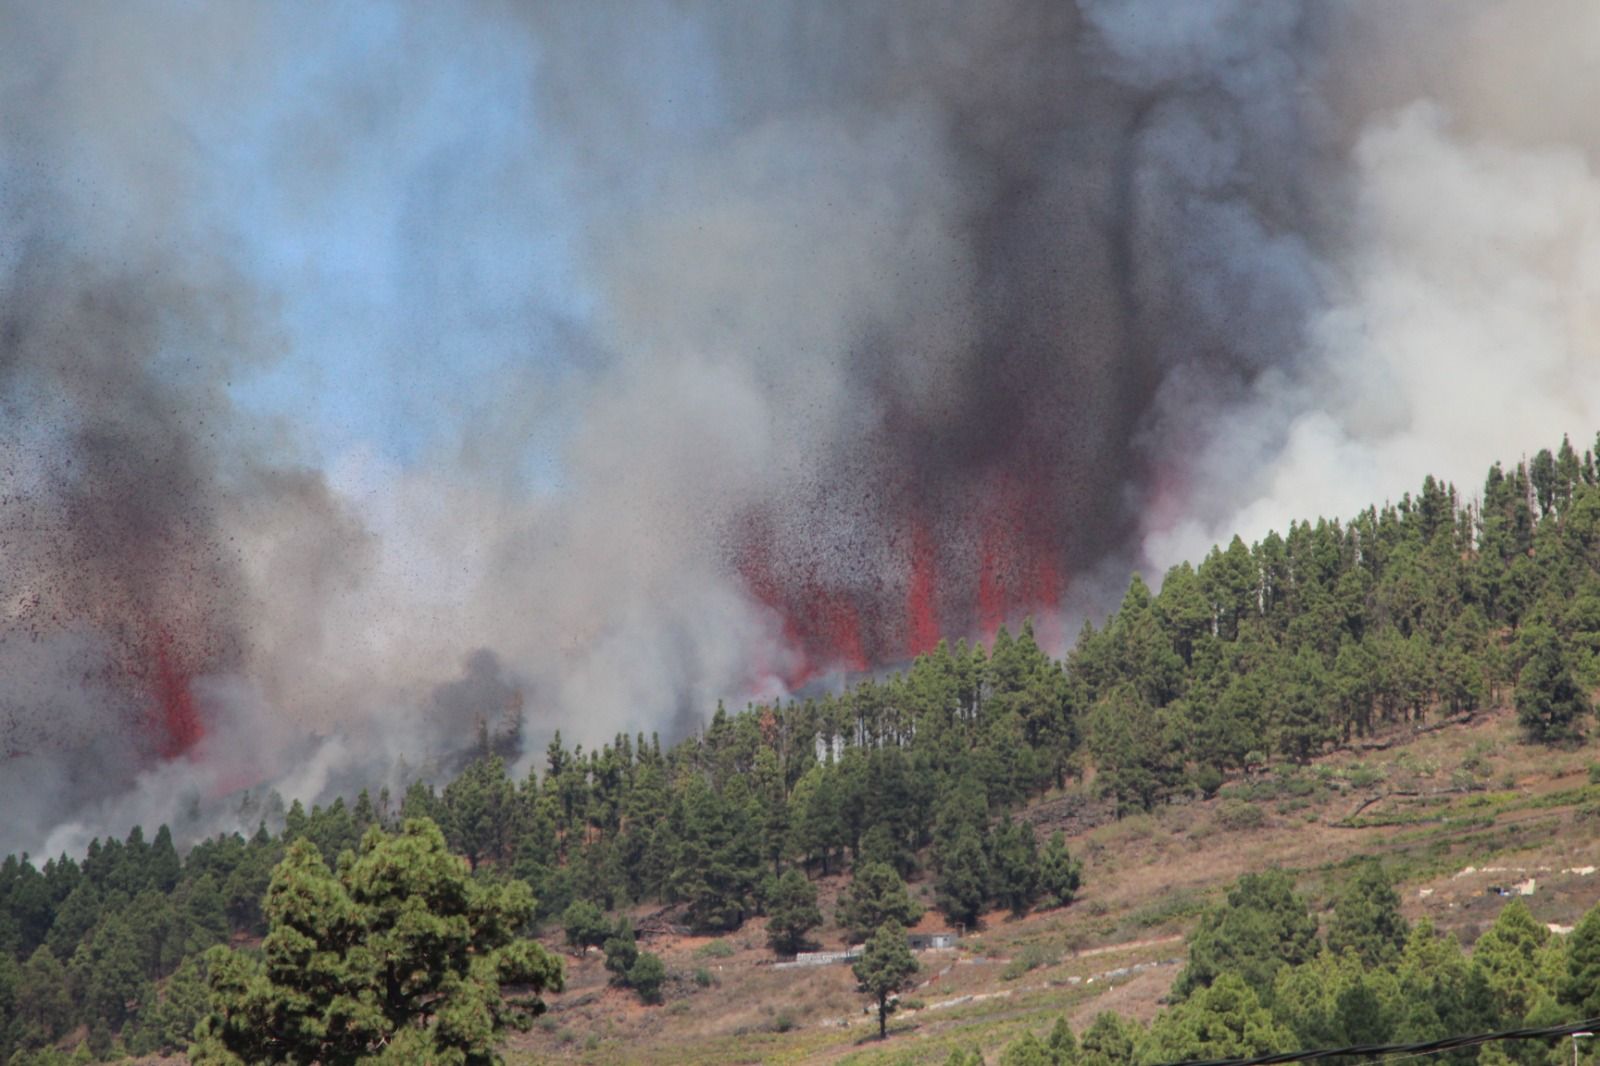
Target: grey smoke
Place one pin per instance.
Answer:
(1184, 268)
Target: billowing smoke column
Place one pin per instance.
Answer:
(1018, 225)
(371, 377)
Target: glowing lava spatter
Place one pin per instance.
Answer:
(841, 624)
(1018, 569)
(175, 724)
(922, 623)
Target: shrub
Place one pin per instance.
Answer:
(1364, 776)
(716, 949)
(1029, 958)
(1238, 815)
(647, 976)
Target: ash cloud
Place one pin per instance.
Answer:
(695, 350)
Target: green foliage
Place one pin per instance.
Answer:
(622, 951)
(585, 926)
(1313, 637)
(477, 811)
(1014, 865)
(43, 1003)
(1135, 748)
(1030, 958)
(1337, 999)
(876, 895)
(648, 977)
(400, 939)
(1223, 1020)
(718, 860)
(1518, 963)
(962, 886)
(715, 949)
(1062, 1044)
(1110, 1040)
(1239, 815)
(1261, 927)
(1028, 1050)
(791, 913)
(185, 1000)
(1366, 917)
(1581, 989)
(1551, 706)
(885, 967)
(1060, 875)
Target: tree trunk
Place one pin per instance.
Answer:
(883, 1016)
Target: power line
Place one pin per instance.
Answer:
(1427, 1047)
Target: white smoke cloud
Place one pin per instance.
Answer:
(1464, 330)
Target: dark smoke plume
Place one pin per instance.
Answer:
(721, 346)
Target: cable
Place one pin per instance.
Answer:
(1428, 1047)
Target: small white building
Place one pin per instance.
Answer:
(942, 939)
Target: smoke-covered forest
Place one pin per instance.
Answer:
(1273, 653)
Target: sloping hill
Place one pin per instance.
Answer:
(1452, 812)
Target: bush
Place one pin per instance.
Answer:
(1237, 815)
(1364, 776)
(1029, 958)
(647, 977)
(1207, 779)
(703, 978)
(717, 949)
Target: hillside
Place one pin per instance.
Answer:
(1451, 812)
(1415, 685)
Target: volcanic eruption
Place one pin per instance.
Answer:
(370, 373)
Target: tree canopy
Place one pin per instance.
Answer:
(398, 949)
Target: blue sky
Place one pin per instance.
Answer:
(391, 189)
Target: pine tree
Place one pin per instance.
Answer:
(109, 971)
(1027, 1050)
(1060, 875)
(1224, 1020)
(163, 863)
(43, 999)
(1550, 704)
(1014, 866)
(1582, 986)
(401, 946)
(1261, 927)
(478, 814)
(585, 926)
(1136, 758)
(1511, 957)
(962, 887)
(885, 967)
(1367, 919)
(791, 913)
(1110, 1040)
(876, 895)
(622, 951)
(1062, 1044)
(185, 999)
